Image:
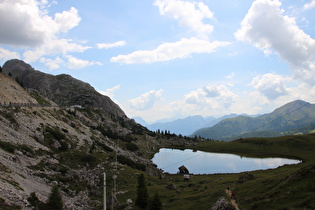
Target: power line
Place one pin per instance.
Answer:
(181, 161)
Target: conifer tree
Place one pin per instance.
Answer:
(142, 192)
(54, 200)
(156, 203)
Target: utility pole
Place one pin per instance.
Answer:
(104, 191)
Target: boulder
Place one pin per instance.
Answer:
(222, 204)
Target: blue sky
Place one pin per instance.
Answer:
(171, 58)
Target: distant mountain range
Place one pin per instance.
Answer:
(297, 117)
(185, 126)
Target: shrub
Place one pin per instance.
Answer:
(132, 147)
(7, 146)
(34, 201)
(132, 164)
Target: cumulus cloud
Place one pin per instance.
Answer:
(110, 45)
(67, 19)
(196, 97)
(211, 96)
(6, 54)
(75, 63)
(309, 5)
(52, 63)
(35, 26)
(170, 51)
(266, 27)
(146, 100)
(110, 92)
(271, 86)
(189, 14)
(53, 47)
(38, 31)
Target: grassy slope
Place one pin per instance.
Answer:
(287, 187)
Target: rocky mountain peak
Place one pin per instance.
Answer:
(62, 89)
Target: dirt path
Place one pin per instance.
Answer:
(233, 202)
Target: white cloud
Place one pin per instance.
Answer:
(52, 64)
(26, 17)
(53, 47)
(309, 5)
(196, 97)
(34, 24)
(110, 45)
(170, 51)
(146, 100)
(110, 92)
(211, 96)
(271, 86)
(67, 19)
(38, 31)
(189, 14)
(75, 63)
(266, 27)
(6, 54)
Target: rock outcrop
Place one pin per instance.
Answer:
(63, 89)
(222, 204)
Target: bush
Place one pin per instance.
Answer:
(55, 132)
(132, 147)
(132, 164)
(7, 146)
(34, 201)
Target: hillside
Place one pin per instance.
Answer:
(294, 117)
(62, 89)
(12, 92)
(43, 144)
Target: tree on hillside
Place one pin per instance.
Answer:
(54, 200)
(156, 203)
(142, 192)
(0, 69)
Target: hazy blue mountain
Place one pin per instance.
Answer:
(140, 121)
(295, 115)
(184, 126)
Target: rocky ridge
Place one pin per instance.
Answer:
(54, 144)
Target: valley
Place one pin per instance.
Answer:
(68, 139)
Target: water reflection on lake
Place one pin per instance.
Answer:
(198, 162)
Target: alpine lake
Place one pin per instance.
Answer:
(199, 162)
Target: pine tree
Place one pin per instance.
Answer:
(142, 192)
(156, 203)
(54, 200)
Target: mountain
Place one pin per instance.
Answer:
(58, 131)
(12, 92)
(187, 125)
(140, 121)
(295, 115)
(184, 126)
(63, 89)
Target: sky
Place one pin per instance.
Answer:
(171, 59)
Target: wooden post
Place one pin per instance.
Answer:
(104, 191)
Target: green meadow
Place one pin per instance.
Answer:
(286, 187)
